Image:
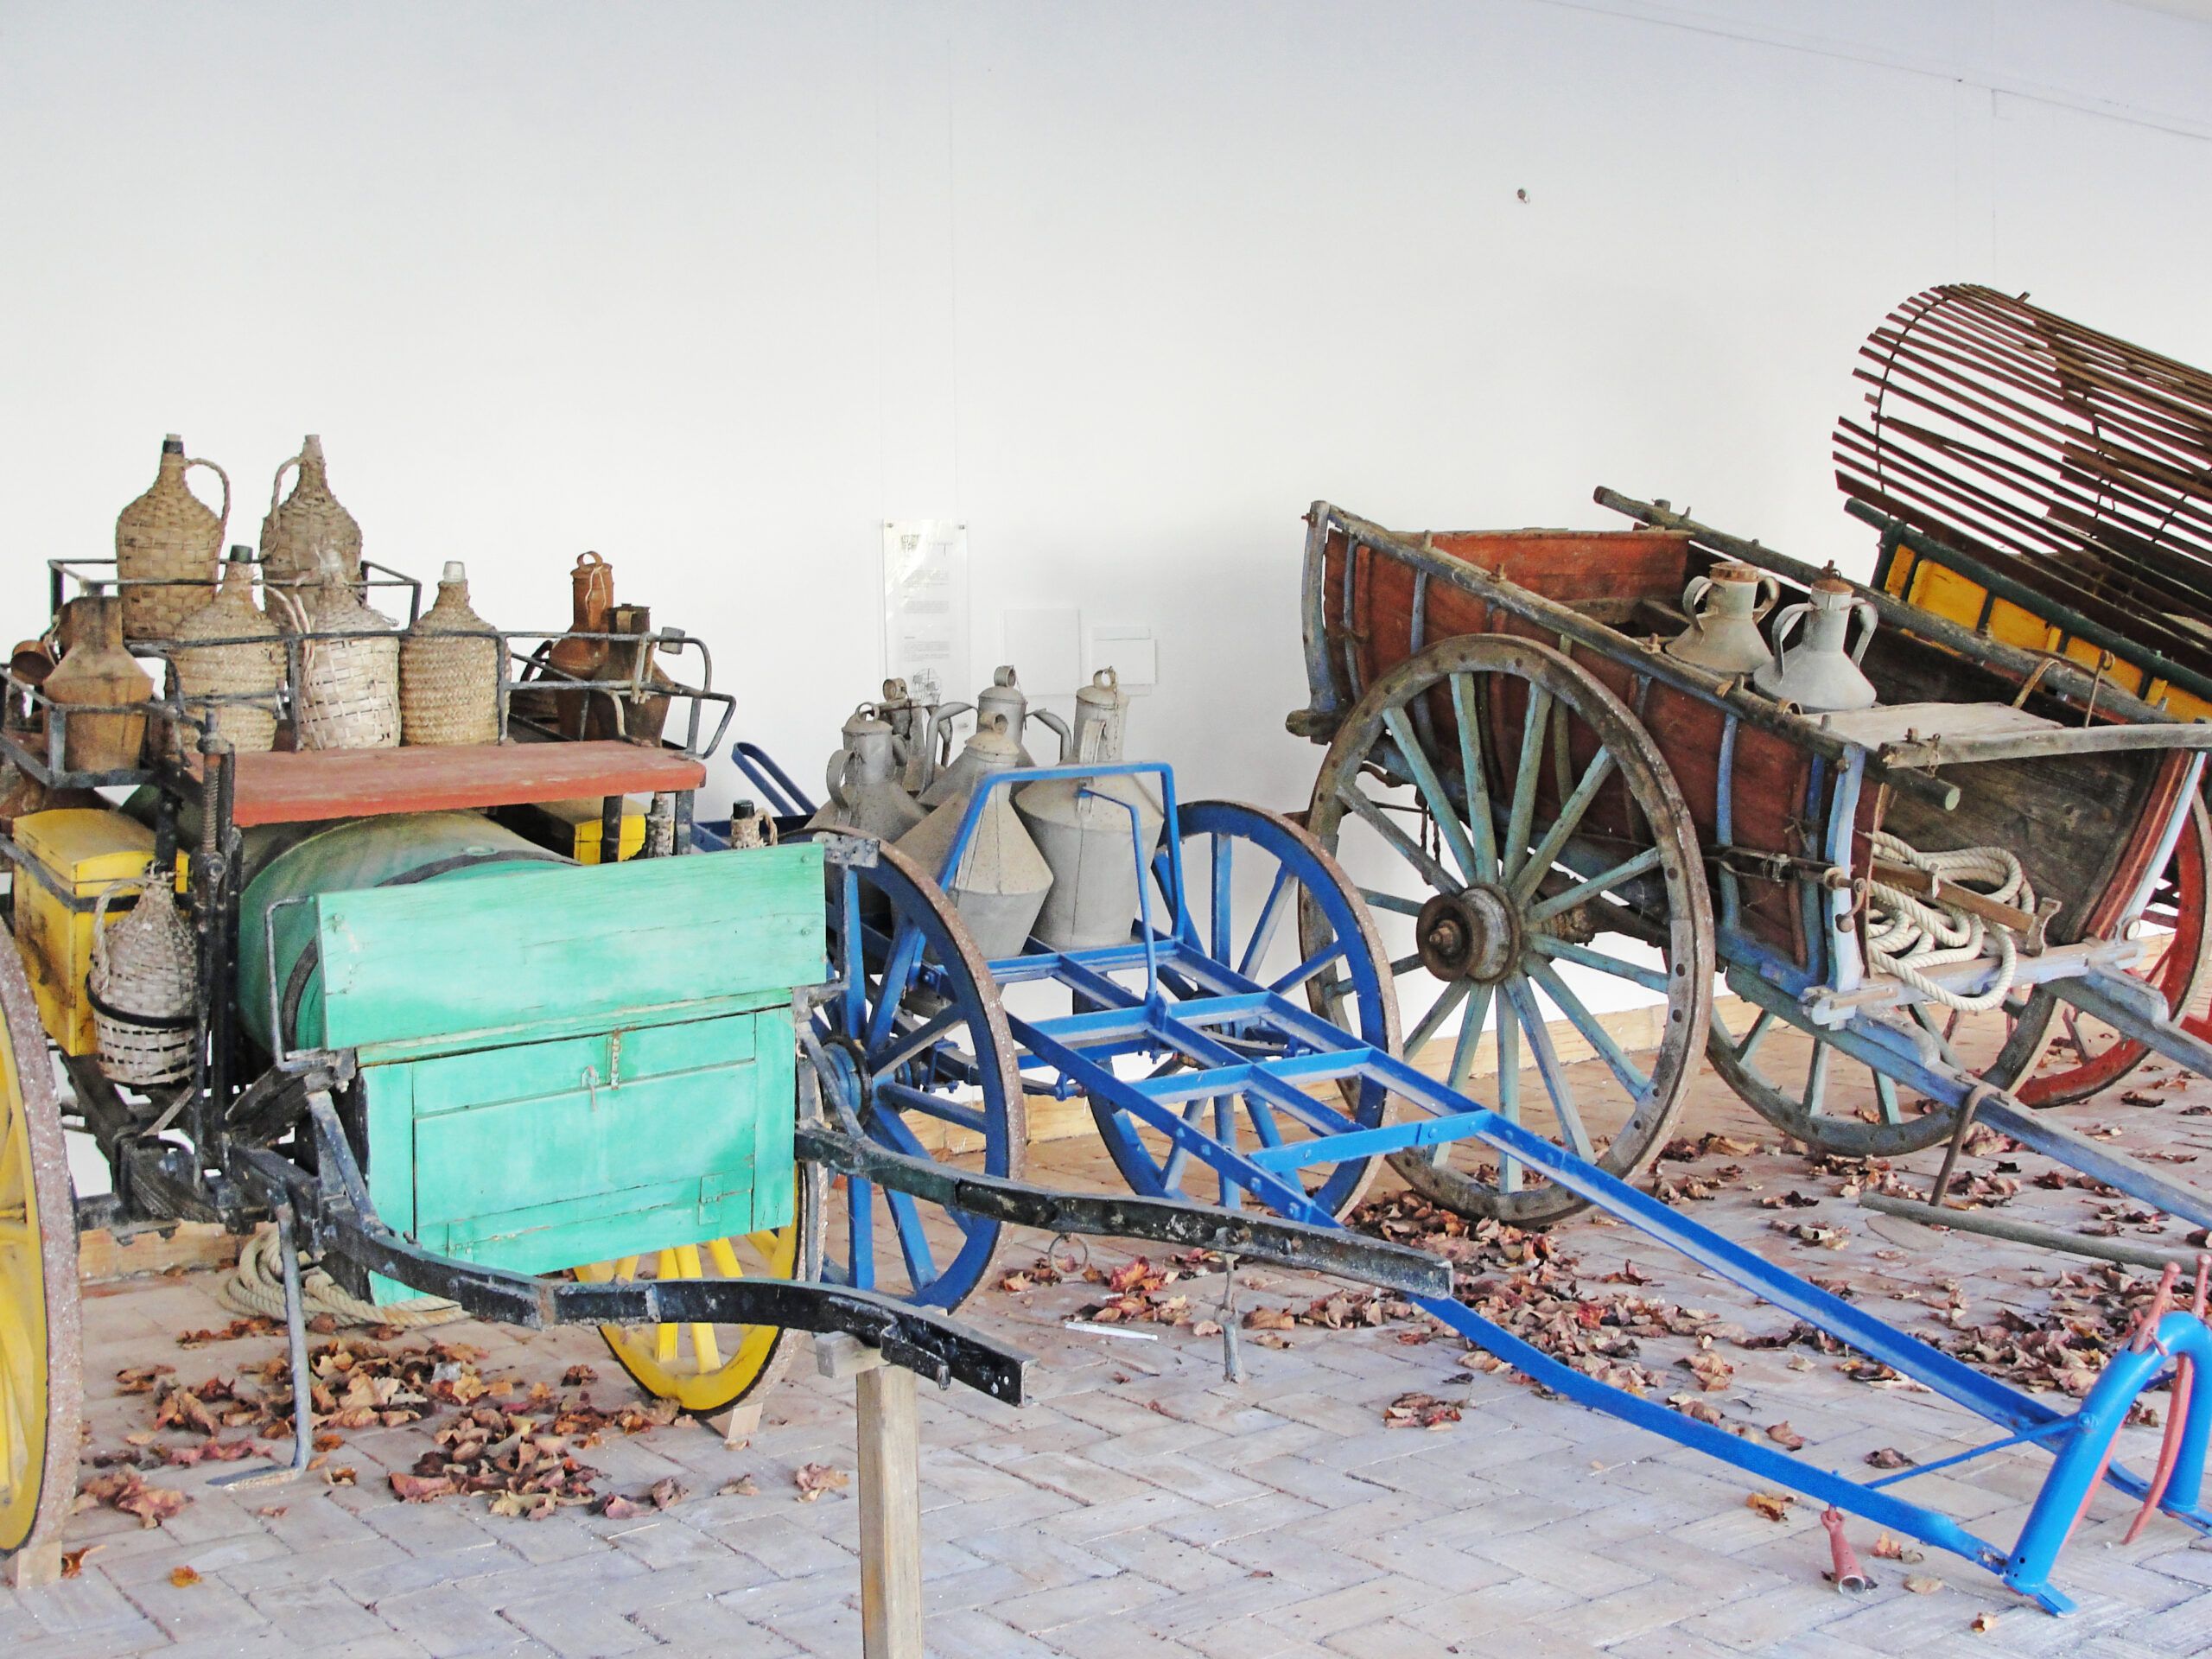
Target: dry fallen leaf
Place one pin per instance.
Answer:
(1888, 1457)
(615, 1506)
(340, 1477)
(1921, 1584)
(815, 1478)
(1772, 1505)
(1983, 1624)
(183, 1577)
(270, 1512)
(1785, 1437)
(741, 1487)
(668, 1491)
(73, 1560)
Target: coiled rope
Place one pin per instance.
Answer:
(257, 1287)
(1907, 934)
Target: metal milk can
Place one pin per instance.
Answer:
(1083, 827)
(1820, 674)
(1724, 632)
(911, 721)
(1003, 697)
(1000, 881)
(865, 793)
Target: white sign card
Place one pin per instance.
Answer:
(925, 605)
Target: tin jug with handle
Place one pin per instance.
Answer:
(1004, 698)
(863, 782)
(999, 881)
(1724, 610)
(1821, 675)
(1098, 833)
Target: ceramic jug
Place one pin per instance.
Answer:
(1723, 631)
(1821, 675)
(1083, 825)
(999, 882)
(98, 672)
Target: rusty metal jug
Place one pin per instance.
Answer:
(1084, 827)
(1723, 631)
(1002, 878)
(1821, 675)
(1004, 698)
(911, 722)
(866, 796)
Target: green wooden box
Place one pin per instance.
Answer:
(571, 1065)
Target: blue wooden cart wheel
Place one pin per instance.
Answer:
(1512, 813)
(915, 1047)
(1247, 875)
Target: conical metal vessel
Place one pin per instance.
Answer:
(1084, 827)
(1000, 881)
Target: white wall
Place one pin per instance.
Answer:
(715, 289)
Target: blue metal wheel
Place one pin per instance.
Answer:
(1248, 876)
(916, 1053)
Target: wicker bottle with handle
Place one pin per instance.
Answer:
(98, 672)
(165, 545)
(144, 970)
(449, 671)
(308, 535)
(247, 664)
(348, 695)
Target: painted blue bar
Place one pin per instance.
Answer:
(1369, 1143)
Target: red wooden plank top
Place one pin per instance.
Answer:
(274, 788)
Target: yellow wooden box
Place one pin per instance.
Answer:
(71, 855)
(573, 827)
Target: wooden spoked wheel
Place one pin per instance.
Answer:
(1246, 873)
(706, 1369)
(914, 1048)
(41, 1382)
(1519, 817)
(2086, 1057)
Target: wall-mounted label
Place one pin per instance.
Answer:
(925, 605)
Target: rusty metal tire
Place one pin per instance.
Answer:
(1421, 701)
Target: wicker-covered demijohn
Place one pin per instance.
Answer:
(308, 535)
(165, 545)
(449, 671)
(348, 695)
(237, 684)
(143, 973)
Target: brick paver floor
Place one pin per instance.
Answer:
(1140, 1505)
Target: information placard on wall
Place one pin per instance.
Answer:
(925, 605)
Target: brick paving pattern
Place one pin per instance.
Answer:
(1140, 1505)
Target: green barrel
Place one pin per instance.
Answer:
(360, 853)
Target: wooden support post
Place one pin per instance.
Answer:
(891, 1498)
(39, 1563)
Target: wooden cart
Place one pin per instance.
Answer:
(1534, 784)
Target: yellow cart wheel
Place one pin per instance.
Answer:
(42, 1374)
(706, 1369)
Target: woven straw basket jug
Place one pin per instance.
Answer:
(144, 972)
(449, 671)
(248, 663)
(348, 695)
(307, 534)
(168, 536)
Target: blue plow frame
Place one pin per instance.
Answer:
(1302, 1049)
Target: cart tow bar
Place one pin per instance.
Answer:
(1233, 1233)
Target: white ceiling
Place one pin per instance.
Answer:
(2199, 10)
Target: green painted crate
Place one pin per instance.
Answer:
(570, 1064)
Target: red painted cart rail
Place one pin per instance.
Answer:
(277, 787)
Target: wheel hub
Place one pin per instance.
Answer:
(1472, 934)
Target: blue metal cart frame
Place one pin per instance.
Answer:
(914, 1022)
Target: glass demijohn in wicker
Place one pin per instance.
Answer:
(144, 972)
(165, 545)
(449, 671)
(348, 695)
(248, 663)
(308, 535)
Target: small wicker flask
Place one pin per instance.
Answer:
(308, 535)
(247, 664)
(449, 671)
(165, 545)
(348, 696)
(144, 972)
